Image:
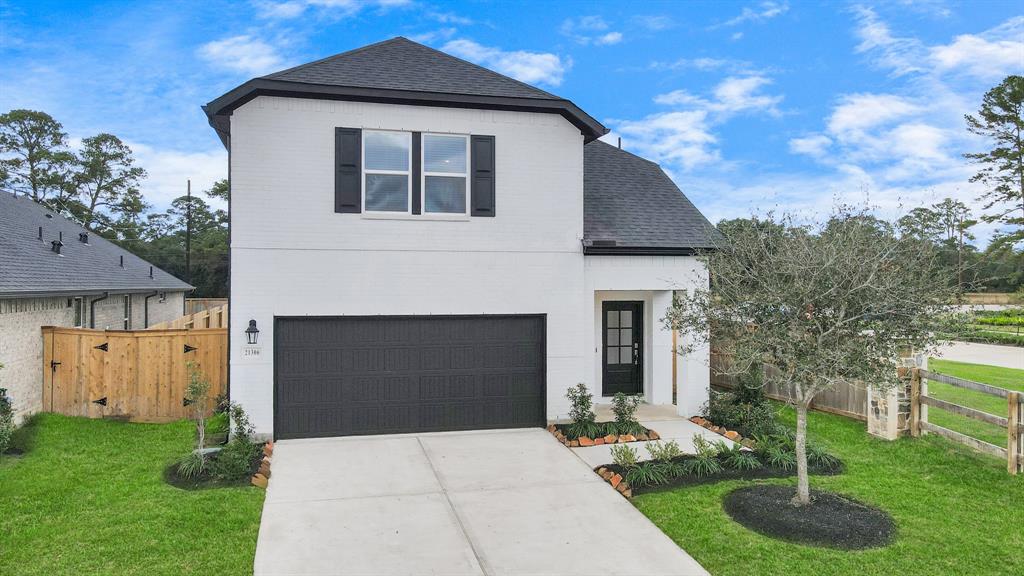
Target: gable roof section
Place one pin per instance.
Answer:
(630, 206)
(400, 71)
(30, 268)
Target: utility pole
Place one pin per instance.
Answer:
(188, 235)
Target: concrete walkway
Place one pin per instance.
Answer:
(991, 354)
(483, 503)
(661, 419)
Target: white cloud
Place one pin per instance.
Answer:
(168, 172)
(530, 67)
(815, 145)
(858, 112)
(708, 64)
(684, 138)
(242, 54)
(434, 35)
(764, 11)
(654, 23)
(451, 18)
(590, 30)
(289, 9)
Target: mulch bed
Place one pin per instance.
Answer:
(830, 520)
(725, 474)
(206, 480)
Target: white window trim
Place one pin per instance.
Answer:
(406, 173)
(424, 174)
(127, 311)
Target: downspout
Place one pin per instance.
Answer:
(92, 309)
(145, 308)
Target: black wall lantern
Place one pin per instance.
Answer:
(252, 333)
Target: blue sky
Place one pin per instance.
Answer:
(749, 106)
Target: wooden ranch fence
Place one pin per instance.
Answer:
(139, 375)
(845, 399)
(216, 317)
(1014, 422)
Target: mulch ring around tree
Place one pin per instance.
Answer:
(206, 479)
(726, 474)
(829, 521)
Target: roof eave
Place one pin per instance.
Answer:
(43, 293)
(642, 250)
(219, 110)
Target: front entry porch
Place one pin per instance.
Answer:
(634, 353)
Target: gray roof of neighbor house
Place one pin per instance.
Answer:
(29, 267)
(630, 206)
(400, 71)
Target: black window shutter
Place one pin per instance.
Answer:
(417, 171)
(348, 170)
(482, 186)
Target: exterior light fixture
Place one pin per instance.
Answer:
(252, 333)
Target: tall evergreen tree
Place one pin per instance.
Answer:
(34, 158)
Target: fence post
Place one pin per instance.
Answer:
(1013, 447)
(915, 402)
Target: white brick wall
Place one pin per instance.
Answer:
(21, 348)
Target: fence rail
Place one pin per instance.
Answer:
(139, 375)
(216, 317)
(848, 399)
(193, 305)
(1014, 450)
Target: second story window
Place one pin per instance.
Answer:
(445, 171)
(387, 157)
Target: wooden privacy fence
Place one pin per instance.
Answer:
(216, 317)
(140, 375)
(193, 305)
(848, 399)
(1014, 422)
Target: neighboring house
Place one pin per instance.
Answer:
(425, 244)
(54, 272)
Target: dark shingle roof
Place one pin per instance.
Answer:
(401, 64)
(630, 205)
(401, 71)
(29, 267)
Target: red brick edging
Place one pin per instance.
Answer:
(584, 441)
(262, 476)
(723, 431)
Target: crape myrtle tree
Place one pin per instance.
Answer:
(839, 300)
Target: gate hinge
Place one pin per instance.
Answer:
(105, 346)
(101, 401)
(189, 348)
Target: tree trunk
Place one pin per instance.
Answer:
(803, 488)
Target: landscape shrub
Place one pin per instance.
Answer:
(235, 460)
(581, 411)
(736, 457)
(624, 407)
(6, 420)
(747, 418)
(646, 474)
(665, 454)
(624, 455)
(704, 463)
(194, 463)
(818, 456)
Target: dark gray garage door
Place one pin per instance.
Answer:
(380, 375)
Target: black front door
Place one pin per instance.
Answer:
(622, 347)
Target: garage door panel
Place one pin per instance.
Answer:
(377, 375)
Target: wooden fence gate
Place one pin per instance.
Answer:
(1014, 422)
(140, 375)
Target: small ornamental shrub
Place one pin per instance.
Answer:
(581, 411)
(664, 451)
(6, 420)
(646, 474)
(624, 407)
(624, 455)
(704, 463)
(749, 418)
(778, 457)
(235, 460)
(736, 457)
(818, 456)
(193, 464)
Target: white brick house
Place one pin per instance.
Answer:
(424, 244)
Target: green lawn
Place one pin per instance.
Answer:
(89, 498)
(956, 512)
(994, 375)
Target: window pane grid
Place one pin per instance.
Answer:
(387, 157)
(445, 160)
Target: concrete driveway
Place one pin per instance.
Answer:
(488, 502)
